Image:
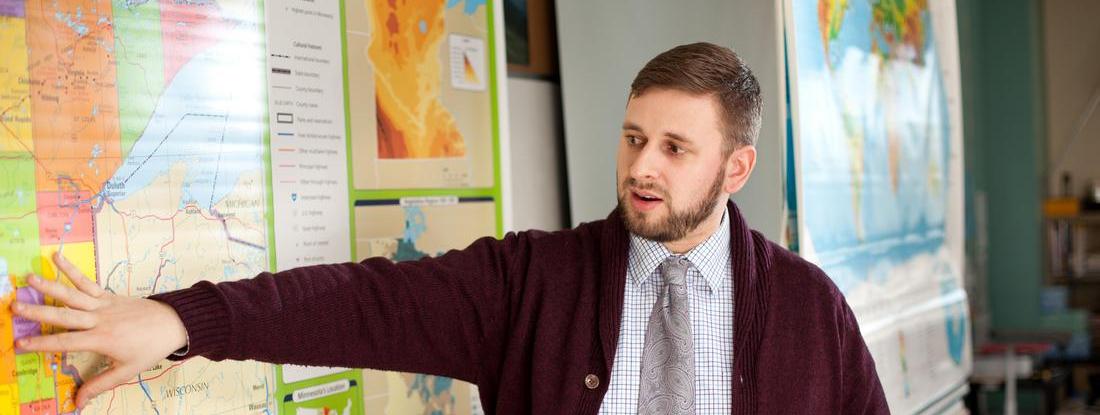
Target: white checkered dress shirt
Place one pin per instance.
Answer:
(710, 297)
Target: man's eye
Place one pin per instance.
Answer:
(675, 149)
(633, 140)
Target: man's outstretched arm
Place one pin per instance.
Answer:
(429, 316)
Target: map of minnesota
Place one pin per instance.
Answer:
(404, 50)
(131, 139)
(407, 233)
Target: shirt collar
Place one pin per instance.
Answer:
(709, 257)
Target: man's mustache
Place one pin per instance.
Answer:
(633, 184)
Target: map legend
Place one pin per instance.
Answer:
(308, 159)
(467, 62)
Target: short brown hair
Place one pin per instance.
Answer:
(709, 69)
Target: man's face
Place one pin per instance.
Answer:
(670, 164)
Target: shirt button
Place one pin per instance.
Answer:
(591, 381)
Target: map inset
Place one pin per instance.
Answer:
(405, 232)
(420, 115)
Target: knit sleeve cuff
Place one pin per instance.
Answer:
(205, 317)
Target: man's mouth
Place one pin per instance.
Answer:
(646, 196)
(644, 201)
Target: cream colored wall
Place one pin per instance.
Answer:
(1071, 48)
(537, 174)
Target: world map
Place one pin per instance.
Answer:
(879, 184)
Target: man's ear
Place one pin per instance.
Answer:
(739, 167)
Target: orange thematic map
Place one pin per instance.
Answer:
(419, 103)
(412, 122)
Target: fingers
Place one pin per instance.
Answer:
(66, 295)
(74, 275)
(56, 316)
(73, 341)
(103, 382)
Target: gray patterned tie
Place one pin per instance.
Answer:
(668, 358)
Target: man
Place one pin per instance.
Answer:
(670, 305)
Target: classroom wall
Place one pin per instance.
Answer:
(1001, 44)
(602, 46)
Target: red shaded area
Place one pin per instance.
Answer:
(1022, 348)
(823, 25)
(188, 29)
(43, 407)
(391, 143)
(392, 27)
(64, 216)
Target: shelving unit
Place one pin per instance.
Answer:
(1073, 261)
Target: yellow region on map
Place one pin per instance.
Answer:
(9, 389)
(412, 122)
(81, 254)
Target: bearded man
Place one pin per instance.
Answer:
(671, 305)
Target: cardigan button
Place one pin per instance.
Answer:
(591, 381)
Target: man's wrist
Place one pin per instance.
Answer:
(180, 339)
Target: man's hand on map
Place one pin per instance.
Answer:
(135, 333)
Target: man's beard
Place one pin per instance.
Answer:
(678, 223)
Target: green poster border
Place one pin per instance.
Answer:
(269, 186)
(495, 191)
(274, 371)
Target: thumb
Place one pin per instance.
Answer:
(103, 382)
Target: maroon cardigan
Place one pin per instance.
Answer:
(528, 318)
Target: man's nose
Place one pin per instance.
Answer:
(646, 166)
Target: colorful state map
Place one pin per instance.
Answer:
(880, 179)
(405, 231)
(412, 122)
(131, 139)
(419, 108)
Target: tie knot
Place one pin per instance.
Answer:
(674, 269)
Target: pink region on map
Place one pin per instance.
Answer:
(43, 407)
(187, 29)
(64, 217)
